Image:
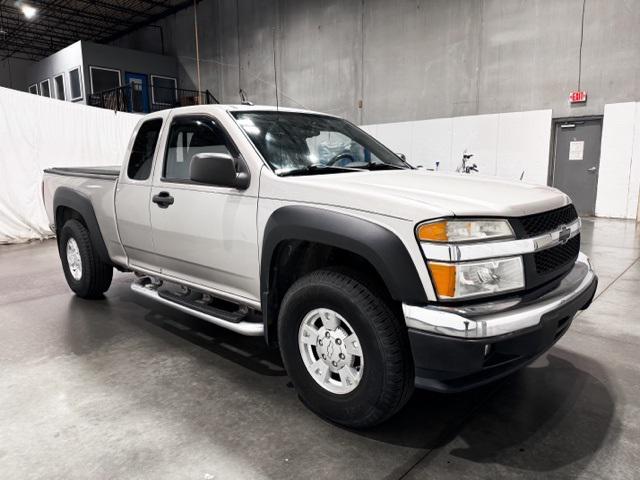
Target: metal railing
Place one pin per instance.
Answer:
(140, 98)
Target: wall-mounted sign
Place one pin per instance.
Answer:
(576, 150)
(578, 97)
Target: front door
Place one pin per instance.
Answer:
(577, 157)
(204, 234)
(139, 92)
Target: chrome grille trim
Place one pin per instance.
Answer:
(449, 252)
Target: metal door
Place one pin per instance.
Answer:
(576, 161)
(139, 93)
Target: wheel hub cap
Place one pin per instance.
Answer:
(73, 259)
(331, 351)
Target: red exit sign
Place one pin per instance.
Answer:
(578, 97)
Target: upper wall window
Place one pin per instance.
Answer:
(58, 87)
(163, 90)
(33, 88)
(103, 79)
(75, 84)
(45, 88)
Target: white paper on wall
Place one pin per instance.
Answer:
(576, 150)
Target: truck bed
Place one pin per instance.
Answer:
(95, 172)
(95, 185)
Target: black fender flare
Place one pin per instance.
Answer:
(66, 197)
(382, 248)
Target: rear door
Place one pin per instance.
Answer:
(133, 196)
(205, 235)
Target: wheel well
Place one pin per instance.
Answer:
(64, 214)
(292, 259)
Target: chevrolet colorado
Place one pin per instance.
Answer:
(370, 276)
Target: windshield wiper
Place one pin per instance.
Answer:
(381, 166)
(315, 168)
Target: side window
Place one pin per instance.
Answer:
(144, 146)
(188, 137)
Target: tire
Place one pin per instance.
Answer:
(379, 382)
(90, 277)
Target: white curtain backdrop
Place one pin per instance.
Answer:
(38, 133)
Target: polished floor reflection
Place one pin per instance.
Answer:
(125, 388)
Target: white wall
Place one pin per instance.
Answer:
(37, 133)
(503, 144)
(60, 62)
(619, 172)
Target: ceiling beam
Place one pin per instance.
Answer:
(116, 8)
(60, 23)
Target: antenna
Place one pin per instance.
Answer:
(275, 69)
(243, 98)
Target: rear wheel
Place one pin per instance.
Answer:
(87, 275)
(345, 350)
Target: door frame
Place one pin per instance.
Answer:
(552, 150)
(146, 105)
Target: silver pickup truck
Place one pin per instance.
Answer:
(370, 276)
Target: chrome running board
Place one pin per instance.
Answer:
(150, 290)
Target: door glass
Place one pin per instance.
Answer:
(189, 137)
(144, 146)
(137, 100)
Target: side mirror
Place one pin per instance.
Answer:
(402, 156)
(217, 169)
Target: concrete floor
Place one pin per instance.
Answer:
(125, 388)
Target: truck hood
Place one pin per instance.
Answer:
(418, 194)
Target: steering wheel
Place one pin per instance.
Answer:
(339, 157)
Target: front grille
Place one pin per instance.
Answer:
(540, 223)
(557, 257)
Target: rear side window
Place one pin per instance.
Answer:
(144, 146)
(188, 137)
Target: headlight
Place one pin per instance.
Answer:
(454, 281)
(464, 230)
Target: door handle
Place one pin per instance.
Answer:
(591, 170)
(163, 199)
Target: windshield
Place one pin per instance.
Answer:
(302, 143)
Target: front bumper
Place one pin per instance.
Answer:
(457, 348)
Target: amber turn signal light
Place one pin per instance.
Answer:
(433, 232)
(444, 279)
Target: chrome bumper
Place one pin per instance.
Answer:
(491, 319)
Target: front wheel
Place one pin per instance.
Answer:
(87, 275)
(345, 350)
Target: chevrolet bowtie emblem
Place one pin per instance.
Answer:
(564, 234)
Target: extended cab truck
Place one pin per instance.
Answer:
(371, 277)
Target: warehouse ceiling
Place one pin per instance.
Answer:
(35, 29)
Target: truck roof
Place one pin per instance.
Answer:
(236, 108)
